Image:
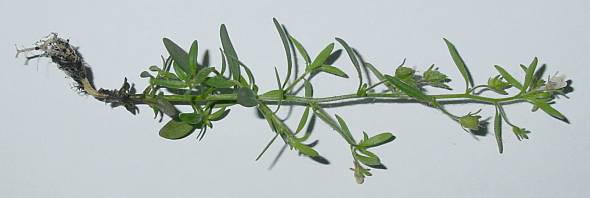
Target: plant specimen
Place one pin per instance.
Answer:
(210, 91)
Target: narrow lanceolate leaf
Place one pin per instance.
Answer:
(380, 76)
(276, 123)
(321, 58)
(233, 64)
(277, 93)
(241, 64)
(409, 90)
(460, 63)
(175, 84)
(203, 74)
(301, 50)
(220, 82)
(321, 113)
(308, 89)
(508, 77)
(219, 114)
(377, 140)
(177, 54)
(166, 107)
(192, 57)
(333, 70)
(368, 160)
(353, 58)
(344, 129)
(175, 129)
(530, 72)
(304, 149)
(498, 130)
(223, 62)
(548, 109)
(278, 78)
(283, 36)
(303, 120)
(180, 72)
(267, 146)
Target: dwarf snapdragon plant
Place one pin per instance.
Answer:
(184, 80)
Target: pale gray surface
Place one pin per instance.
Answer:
(55, 143)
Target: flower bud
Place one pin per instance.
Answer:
(404, 72)
(470, 121)
(498, 84)
(434, 76)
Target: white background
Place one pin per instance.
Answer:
(56, 143)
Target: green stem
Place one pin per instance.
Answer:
(231, 98)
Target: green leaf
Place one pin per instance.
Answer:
(303, 120)
(145, 74)
(548, 109)
(175, 84)
(530, 72)
(377, 140)
(368, 158)
(223, 62)
(344, 129)
(498, 130)
(460, 63)
(205, 62)
(275, 123)
(278, 78)
(168, 75)
(332, 70)
(321, 58)
(363, 90)
(508, 77)
(218, 115)
(192, 57)
(174, 130)
(219, 82)
(248, 72)
(304, 149)
(321, 113)
(166, 107)
(154, 68)
(301, 50)
(203, 74)
(285, 41)
(166, 63)
(308, 89)
(246, 97)
(267, 146)
(369, 161)
(179, 71)
(179, 56)
(409, 90)
(277, 93)
(191, 118)
(353, 58)
(380, 76)
(233, 64)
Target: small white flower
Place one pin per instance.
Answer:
(556, 82)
